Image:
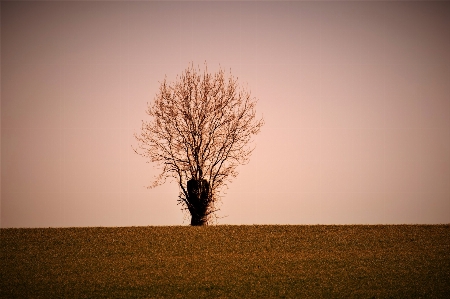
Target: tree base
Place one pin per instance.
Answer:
(198, 191)
(198, 221)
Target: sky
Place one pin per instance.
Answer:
(355, 98)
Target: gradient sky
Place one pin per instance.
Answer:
(355, 96)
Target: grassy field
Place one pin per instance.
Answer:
(386, 261)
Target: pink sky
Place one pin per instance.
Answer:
(355, 96)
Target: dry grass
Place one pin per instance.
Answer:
(404, 261)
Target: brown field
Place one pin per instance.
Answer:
(261, 261)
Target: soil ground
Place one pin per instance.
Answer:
(261, 261)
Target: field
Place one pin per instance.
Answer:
(267, 261)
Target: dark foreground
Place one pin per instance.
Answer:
(391, 261)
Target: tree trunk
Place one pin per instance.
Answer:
(198, 191)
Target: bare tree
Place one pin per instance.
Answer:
(199, 132)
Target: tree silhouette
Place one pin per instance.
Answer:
(199, 132)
